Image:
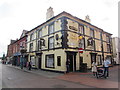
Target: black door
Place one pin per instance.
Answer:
(72, 57)
(40, 62)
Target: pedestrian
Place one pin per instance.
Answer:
(106, 67)
(94, 68)
(67, 65)
(30, 65)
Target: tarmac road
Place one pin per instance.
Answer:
(16, 78)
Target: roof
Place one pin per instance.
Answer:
(62, 13)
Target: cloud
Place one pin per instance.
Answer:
(5, 10)
(105, 19)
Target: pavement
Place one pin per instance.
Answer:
(81, 78)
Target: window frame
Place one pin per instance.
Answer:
(50, 43)
(49, 28)
(58, 60)
(47, 62)
(39, 35)
(31, 49)
(81, 29)
(91, 32)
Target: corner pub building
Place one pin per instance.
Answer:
(52, 43)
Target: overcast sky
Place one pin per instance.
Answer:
(17, 15)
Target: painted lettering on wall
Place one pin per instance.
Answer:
(73, 28)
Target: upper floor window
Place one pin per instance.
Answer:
(108, 47)
(31, 37)
(31, 47)
(100, 35)
(81, 43)
(51, 42)
(91, 32)
(81, 29)
(51, 29)
(40, 33)
(107, 38)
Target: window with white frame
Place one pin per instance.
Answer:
(81, 43)
(31, 37)
(81, 29)
(91, 32)
(108, 47)
(50, 61)
(107, 38)
(31, 47)
(51, 42)
(51, 29)
(39, 33)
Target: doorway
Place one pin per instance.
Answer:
(72, 57)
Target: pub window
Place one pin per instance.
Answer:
(39, 46)
(51, 42)
(31, 47)
(81, 29)
(108, 47)
(31, 37)
(91, 32)
(51, 29)
(81, 43)
(40, 33)
(107, 38)
(58, 60)
(50, 61)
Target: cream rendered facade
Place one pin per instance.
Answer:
(65, 42)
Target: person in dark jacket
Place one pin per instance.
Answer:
(67, 65)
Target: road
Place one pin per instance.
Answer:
(15, 78)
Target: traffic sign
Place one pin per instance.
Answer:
(80, 50)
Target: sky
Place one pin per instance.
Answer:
(19, 15)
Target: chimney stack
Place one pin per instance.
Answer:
(87, 19)
(50, 13)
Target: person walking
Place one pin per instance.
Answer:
(106, 67)
(94, 68)
(67, 65)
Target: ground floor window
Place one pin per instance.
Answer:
(50, 61)
(58, 60)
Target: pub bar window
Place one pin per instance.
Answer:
(91, 32)
(50, 61)
(108, 47)
(31, 37)
(39, 46)
(31, 47)
(81, 29)
(58, 60)
(81, 43)
(51, 42)
(107, 38)
(39, 33)
(51, 28)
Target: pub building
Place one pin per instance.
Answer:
(64, 37)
